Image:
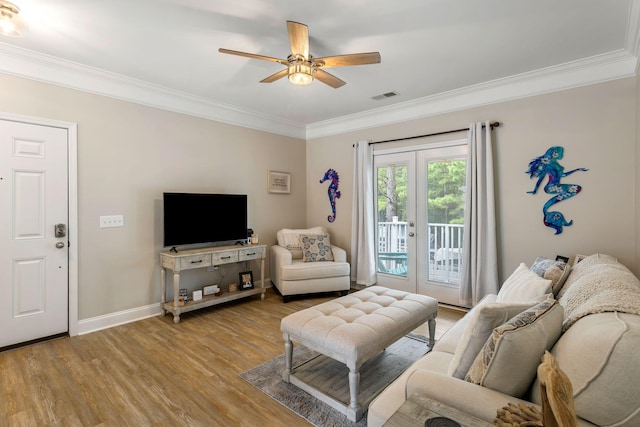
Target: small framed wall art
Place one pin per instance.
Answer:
(246, 280)
(279, 182)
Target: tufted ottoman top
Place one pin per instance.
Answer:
(360, 324)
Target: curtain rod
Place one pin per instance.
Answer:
(491, 125)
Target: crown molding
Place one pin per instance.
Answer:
(601, 68)
(48, 69)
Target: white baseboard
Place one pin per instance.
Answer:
(110, 320)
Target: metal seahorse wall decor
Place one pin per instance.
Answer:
(332, 191)
(547, 166)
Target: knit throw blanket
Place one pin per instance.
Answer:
(601, 288)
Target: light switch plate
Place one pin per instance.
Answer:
(108, 221)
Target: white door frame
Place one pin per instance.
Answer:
(72, 152)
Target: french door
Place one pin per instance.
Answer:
(419, 196)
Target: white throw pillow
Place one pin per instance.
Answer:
(509, 360)
(290, 239)
(485, 317)
(523, 286)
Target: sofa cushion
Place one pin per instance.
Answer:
(300, 270)
(290, 239)
(449, 341)
(484, 318)
(509, 360)
(556, 271)
(523, 285)
(599, 354)
(316, 247)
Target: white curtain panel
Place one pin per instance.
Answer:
(480, 254)
(363, 267)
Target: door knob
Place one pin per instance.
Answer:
(59, 245)
(411, 234)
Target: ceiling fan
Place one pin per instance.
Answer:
(302, 68)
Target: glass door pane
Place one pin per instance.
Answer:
(441, 213)
(394, 221)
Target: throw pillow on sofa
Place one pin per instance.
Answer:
(484, 318)
(523, 286)
(316, 247)
(556, 271)
(290, 239)
(509, 360)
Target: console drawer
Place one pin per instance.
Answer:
(246, 254)
(195, 261)
(224, 257)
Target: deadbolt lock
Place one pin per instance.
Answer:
(60, 230)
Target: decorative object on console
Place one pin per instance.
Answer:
(279, 182)
(547, 165)
(197, 295)
(332, 191)
(210, 290)
(246, 280)
(233, 287)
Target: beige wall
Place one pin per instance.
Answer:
(595, 124)
(128, 155)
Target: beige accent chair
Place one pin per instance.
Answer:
(298, 271)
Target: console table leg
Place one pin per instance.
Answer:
(176, 318)
(163, 278)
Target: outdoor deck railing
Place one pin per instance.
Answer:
(444, 250)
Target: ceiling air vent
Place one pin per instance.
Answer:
(385, 95)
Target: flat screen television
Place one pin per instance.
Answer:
(191, 218)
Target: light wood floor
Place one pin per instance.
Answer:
(155, 373)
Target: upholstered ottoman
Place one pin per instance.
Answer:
(352, 329)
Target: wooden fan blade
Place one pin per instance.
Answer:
(347, 60)
(329, 79)
(253, 55)
(298, 38)
(277, 76)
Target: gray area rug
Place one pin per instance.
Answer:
(268, 378)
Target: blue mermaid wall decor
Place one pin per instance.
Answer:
(547, 165)
(332, 191)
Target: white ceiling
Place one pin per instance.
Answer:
(438, 55)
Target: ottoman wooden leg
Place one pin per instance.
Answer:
(288, 357)
(354, 410)
(432, 332)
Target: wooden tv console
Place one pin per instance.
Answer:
(202, 258)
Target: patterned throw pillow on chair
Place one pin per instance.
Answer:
(316, 247)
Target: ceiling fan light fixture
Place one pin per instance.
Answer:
(301, 73)
(10, 23)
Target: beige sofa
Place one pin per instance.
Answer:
(597, 346)
(302, 264)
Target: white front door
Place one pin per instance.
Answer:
(34, 258)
